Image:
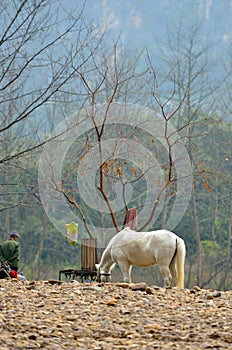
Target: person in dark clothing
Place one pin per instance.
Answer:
(10, 250)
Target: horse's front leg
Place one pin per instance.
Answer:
(126, 271)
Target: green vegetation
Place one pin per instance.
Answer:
(117, 123)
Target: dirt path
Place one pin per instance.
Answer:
(49, 315)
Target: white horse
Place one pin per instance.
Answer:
(128, 248)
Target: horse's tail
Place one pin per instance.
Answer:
(180, 259)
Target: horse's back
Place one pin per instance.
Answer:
(128, 236)
(142, 248)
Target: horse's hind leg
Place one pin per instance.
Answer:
(172, 268)
(126, 271)
(164, 269)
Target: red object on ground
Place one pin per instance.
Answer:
(14, 274)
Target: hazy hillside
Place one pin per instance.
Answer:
(140, 21)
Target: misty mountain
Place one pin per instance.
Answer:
(140, 23)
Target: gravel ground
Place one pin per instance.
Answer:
(70, 315)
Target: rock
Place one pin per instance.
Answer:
(150, 290)
(196, 288)
(214, 295)
(123, 285)
(210, 303)
(15, 280)
(31, 283)
(113, 316)
(55, 282)
(192, 291)
(209, 296)
(125, 312)
(138, 286)
(155, 287)
(151, 328)
(32, 336)
(32, 286)
(112, 302)
(94, 288)
(101, 284)
(75, 282)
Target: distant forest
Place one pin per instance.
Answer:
(89, 130)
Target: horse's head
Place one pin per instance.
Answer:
(103, 276)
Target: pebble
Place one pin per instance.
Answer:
(69, 315)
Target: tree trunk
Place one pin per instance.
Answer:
(228, 258)
(198, 238)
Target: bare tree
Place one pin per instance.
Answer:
(41, 47)
(106, 79)
(126, 157)
(186, 66)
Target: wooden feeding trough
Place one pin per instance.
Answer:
(88, 260)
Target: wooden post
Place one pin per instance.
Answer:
(131, 218)
(88, 253)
